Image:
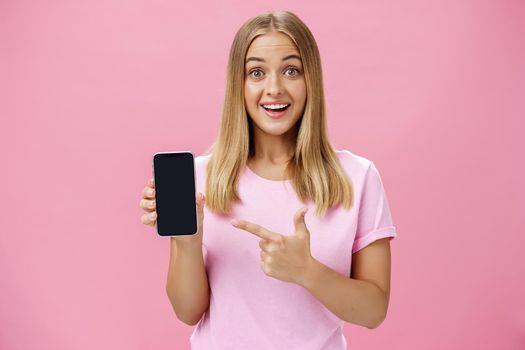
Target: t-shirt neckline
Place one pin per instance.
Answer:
(252, 174)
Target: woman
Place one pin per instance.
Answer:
(264, 275)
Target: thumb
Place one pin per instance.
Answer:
(300, 225)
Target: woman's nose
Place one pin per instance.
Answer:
(274, 85)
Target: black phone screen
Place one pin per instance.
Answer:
(174, 174)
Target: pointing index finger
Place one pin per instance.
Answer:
(257, 230)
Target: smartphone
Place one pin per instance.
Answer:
(174, 176)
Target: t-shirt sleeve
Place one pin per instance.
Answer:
(374, 218)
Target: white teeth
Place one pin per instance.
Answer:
(275, 106)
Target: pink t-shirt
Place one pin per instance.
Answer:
(251, 310)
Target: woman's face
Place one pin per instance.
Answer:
(274, 77)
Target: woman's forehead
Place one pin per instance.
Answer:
(273, 42)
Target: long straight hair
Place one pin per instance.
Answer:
(314, 170)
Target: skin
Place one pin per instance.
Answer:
(273, 79)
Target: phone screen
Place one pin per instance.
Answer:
(174, 174)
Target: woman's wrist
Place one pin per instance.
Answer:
(185, 243)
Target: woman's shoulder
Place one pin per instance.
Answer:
(202, 159)
(353, 162)
(201, 162)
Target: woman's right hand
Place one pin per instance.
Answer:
(147, 203)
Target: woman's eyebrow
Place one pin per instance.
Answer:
(258, 59)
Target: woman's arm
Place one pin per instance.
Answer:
(361, 299)
(187, 285)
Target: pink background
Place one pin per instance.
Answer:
(431, 91)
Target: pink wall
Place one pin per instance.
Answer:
(431, 91)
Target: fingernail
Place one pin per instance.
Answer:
(235, 222)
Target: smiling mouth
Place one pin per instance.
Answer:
(282, 109)
(276, 113)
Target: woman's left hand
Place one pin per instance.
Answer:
(286, 258)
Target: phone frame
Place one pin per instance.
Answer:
(194, 184)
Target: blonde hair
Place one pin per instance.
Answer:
(314, 170)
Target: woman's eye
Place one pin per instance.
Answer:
(295, 70)
(258, 75)
(291, 72)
